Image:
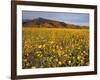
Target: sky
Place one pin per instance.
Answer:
(71, 18)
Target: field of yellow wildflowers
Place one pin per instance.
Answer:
(54, 47)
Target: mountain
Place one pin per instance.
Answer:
(47, 23)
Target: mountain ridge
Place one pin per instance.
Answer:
(48, 23)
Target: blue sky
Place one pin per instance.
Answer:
(71, 18)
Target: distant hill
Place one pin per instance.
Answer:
(47, 23)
